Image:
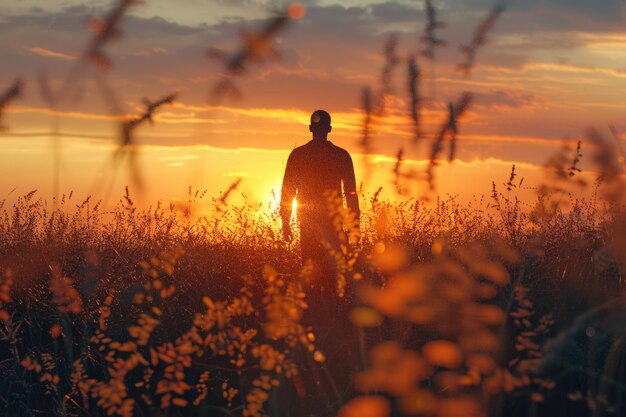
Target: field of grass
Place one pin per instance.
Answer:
(445, 310)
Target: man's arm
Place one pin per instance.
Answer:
(287, 194)
(349, 186)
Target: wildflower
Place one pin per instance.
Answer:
(442, 353)
(365, 317)
(366, 406)
(64, 295)
(5, 293)
(56, 330)
(144, 328)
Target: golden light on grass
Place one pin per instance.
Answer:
(366, 406)
(419, 402)
(437, 247)
(365, 317)
(443, 353)
(389, 257)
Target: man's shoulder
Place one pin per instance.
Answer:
(339, 150)
(311, 146)
(298, 150)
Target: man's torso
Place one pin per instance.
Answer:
(320, 167)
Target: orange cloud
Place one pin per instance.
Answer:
(69, 114)
(53, 54)
(557, 67)
(376, 158)
(151, 51)
(349, 122)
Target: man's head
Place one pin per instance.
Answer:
(320, 124)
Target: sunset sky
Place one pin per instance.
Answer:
(550, 68)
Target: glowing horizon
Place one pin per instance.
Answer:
(542, 77)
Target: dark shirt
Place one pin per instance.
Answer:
(312, 170)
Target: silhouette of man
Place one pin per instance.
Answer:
(313, 170)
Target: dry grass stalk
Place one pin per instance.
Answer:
(479, 39)
(606, 157)
(45, 90)
(105, 31)
(13, 92)
(560, 176)
(618, 141)
(391, 62)
(374, 103)
(573, 169)
(450, 128)
(415, 101)
(510, 184)
(6, 283)
(129, 126)
(429, 38)
(396, 170)
(222, 202)
(367, 107)
(127, 143)
(453, 132)
(256, 48)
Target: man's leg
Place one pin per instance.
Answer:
(311, 253)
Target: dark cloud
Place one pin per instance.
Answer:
(548, 15)
(72, 19)
(506, 99)
(396, 13)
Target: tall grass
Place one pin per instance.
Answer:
(150, 311)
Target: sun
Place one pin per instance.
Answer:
(275, 197)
